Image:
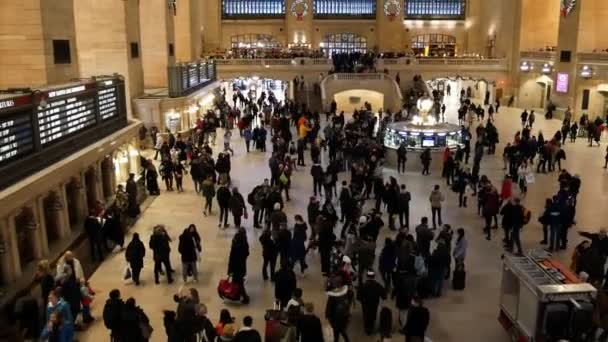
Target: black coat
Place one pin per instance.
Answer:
(223, 196)
(237, 262)
(269, 247)
(93, 227)
(130, 319)
(189, 246)
(250, 335)
(159, 244)
(310, 329)
(417, 321)
(284, 284)
(112, 312)
(370, 294)
(135, 253)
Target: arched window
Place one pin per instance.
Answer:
(434, 45)
(253, 9)
(435, 9)
(343, 43)
(344, 9)
(254, 41)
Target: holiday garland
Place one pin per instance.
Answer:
(392, 8)
(567, 6)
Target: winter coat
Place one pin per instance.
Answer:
(237, 204)
(247, 335)
(370, 293)
(404, 289)
(337, 309)
(418, 319)
(135, 253)
(277, 219)
(159, 244)
(284, 284)
(298, 241)
(237, 262)
(436, 198)
(223, 196)
(310, 329)
(189, 246)
(208, 188)
(130, 321)
(112, 312)
(269, 247)
(460, 249)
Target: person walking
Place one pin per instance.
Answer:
(298, 243)
(247, 333)
(223, 196)
(418, 320)
(159, 244)
(269, 254)
(237, 206)
(316, 171)
(337, 309)
(425, 158)
(309, 327)
(112, 312)
(237, 261)
(132, 320)
(284, 284)
(436, 198)
(370, 294)
(189, 248)
(135, 257)
(93, 228)
(208, 191)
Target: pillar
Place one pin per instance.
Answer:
(107, 35)
(157, 34)
(62, 216)
(41, 238)
(12, 231)
(188, 22)
(299, 31)
(11, 269)
(83, 205)
(98, 186)
(390, 30)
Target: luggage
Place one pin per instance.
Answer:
(459, 278)
(227, 289)
(273, 318)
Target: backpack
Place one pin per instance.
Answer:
(420, 266)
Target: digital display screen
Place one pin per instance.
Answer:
(107, 100)
(562, 82)
(16, 135)
(67, 111)
(428, 142)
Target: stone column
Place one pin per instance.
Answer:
(62, 216)
(11, 269)
(211, 25)
(157, 33)
(83, 202)
(41, 238)
(98, 186)
(300, 30)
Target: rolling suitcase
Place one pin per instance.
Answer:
(459, 277)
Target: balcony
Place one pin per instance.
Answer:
(598, 58)
(541, 56)
(442, 64)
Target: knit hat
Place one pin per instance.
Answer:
(277, 206)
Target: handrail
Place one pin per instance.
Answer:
(592, 56)
(274, 61)
(543, 55)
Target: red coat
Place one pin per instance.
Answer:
(507, 189)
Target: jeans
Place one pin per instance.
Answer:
(237, 220)
(158, 262)
(436, 212)
(224, 215)
(516, 240)
(135, 272)
(404, 218)
(208, 204)
(189, 266)
(401, 164)
(339, 330)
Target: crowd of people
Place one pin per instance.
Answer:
(342, 223)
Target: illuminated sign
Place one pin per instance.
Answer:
(16, 136)
(7, 104)
(562, 82)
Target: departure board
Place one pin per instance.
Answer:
(107, 100)
(67, 111)
(16, 135)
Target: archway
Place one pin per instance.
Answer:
(353, 99)
(52, 209)
(107, 174)
(90, 178)
(535, 92)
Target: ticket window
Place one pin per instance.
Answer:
(106, 177)
(90, 183)
(73, 197)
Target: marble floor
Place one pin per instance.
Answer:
(469, 315)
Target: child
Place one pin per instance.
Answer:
(87, 294)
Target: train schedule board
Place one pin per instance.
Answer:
(67, 111)
(16, 133)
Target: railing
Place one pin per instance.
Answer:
(186, 78)
(590, 57)
(538, 55)
(440, 61)
(275, 61)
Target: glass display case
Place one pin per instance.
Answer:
(420, 137)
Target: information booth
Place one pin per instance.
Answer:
(541, 300)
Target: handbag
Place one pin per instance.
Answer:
(283, 179)
(127, 274)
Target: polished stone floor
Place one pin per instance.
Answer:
(469, 315)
